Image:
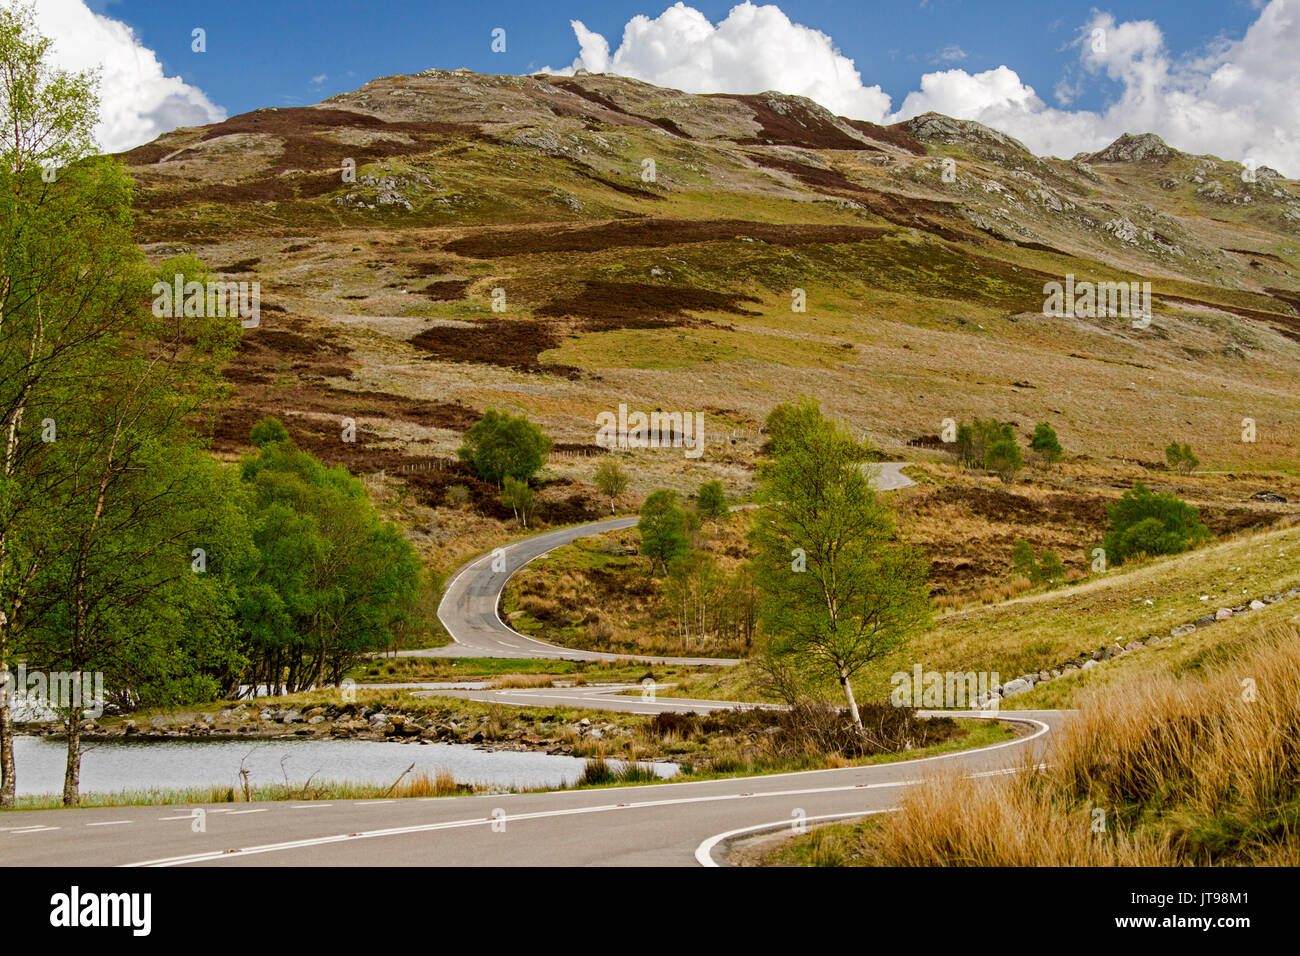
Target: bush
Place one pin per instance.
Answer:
(1146, 522)
(1003, 458)
(975, 440)
(267, 432)
(1045, 445)
(1039, 569)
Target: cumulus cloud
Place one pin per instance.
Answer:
(756, 48)
(1236, 99)
(138, 101)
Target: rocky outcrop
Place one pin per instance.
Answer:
(1131, 148)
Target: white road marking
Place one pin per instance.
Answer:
(704, 852)
(570, 811)
(110, 823)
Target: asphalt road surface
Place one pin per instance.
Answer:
(658, 825)
(469, 608)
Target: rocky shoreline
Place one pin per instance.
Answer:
(261, 720)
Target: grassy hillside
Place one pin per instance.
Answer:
(381, 223)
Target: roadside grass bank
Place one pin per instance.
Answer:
(1160, 771)
(1129, 613)
(423, 784)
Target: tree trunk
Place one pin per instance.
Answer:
(853, 704)
(72, 775)
(7, 781)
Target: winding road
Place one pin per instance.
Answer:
(470, 605)
(674, 824)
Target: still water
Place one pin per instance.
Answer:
(107, 767)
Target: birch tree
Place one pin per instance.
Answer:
(837, 590)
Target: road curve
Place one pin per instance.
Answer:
(655, 825)
(469, 607)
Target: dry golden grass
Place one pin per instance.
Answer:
(1159, 773)
(440, 783)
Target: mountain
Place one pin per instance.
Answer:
(649, 244)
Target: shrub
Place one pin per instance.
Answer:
(1045, 445)
(1147, 522)
(975, 440)
(1003, 457)
(268, 431)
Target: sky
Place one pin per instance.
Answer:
(1210, 76)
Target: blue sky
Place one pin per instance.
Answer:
(267, 52)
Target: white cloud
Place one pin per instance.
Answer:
(756, 48)
(1236, 99)
(138, 101)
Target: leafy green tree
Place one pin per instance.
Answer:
(518, 497)
(711, 502)
(1045, 444)
(1180, 458)
(101, 469)
(611, 480)
(663, 528)
(333, 582)
(63, 288)
(1148, 522)
(268, 430)
(500, 446)
(1003, 458)
(837, 590)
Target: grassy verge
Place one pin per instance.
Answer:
(1161, 772)
(415, 785)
